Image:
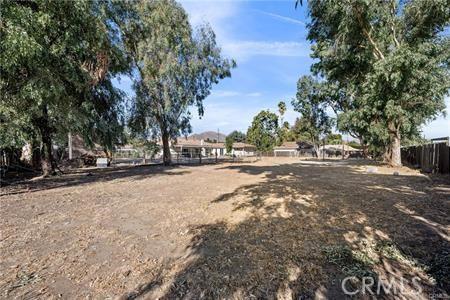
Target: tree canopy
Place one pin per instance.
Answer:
(314, 121)
(281, 108)
(234, 136)
(57, 61)
(176, 70)
(264, 131)
(389, 62)
(334, 139)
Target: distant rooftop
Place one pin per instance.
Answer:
(191, 142)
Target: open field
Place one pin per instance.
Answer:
(276, 228)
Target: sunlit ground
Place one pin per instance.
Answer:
(277, 228)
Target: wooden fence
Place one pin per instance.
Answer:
(430, 158)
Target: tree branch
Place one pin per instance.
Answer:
(394, 33)
(378, 54)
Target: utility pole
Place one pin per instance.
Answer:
(218, 141)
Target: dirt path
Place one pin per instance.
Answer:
(272, 229)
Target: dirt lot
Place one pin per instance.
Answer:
(277, 228)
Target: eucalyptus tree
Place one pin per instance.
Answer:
(57, 59)
(390, 57)
(176, 69)
(309, 102)
(264, 131)
(234, 136)
(238, 136)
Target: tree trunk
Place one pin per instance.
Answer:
(108, 155)
(316, 150)
(36, 155)
(166, 149)
(47, 162)
(396, 160)
(364, 147)
(393, 153)
(316, 147)
(387, 155)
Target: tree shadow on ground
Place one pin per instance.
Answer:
(308, 226)
(93, 175)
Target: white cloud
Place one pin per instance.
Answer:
(283, 18)
(218, 13)
(242, 50)
(226, 93)
(213, 12)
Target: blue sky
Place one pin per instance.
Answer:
(268, 41)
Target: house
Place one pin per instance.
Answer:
(243, 149)
(188, 147)
(126, 150)
(294, 149)
(336, 150)
(218, 148)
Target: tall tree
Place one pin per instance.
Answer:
(54, 56)
(177, 68)
(391, 59)
(284, 130)
(234, 136)
(309, 102)
(238, 136)
(281, 110)
(104, 117)
(297, 133)
(264, 131)
(229, 144)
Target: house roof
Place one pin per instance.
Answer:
(189, 142)
(194, 143)
(217, 145)
(294, 146)
(287, 146)
(242, 145)
(339, 148)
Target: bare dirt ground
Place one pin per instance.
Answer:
(273, 229)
